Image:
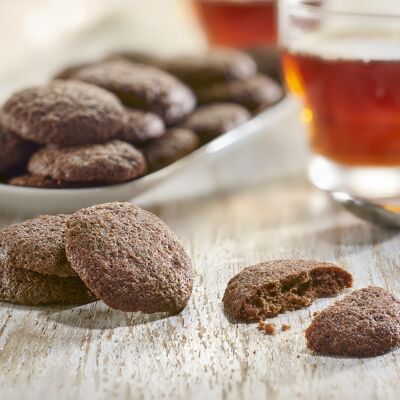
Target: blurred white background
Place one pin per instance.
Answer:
(38, 37)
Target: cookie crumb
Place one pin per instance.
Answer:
(285, 327)
(267, 328)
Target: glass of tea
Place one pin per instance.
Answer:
(238, 23)
(342, 59)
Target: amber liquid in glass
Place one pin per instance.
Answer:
(351, 105)
(243, 23)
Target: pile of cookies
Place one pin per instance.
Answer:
(115, 252)
(131, 260)
(117, 119)
(366, 323)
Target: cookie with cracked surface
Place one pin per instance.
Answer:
(13, 150)
(215, 66)
(365, 323)
(37, 245)
(143, 87)
(255, 93)
(26, 287)
(111, 162)
(64, 113)
(141, 126)
(175, 144)
(129, 258)
(212, 120)
(270, 288)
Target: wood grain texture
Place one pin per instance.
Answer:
(93, 352)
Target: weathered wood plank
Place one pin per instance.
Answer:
(93, 352)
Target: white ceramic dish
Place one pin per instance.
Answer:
(30, 201)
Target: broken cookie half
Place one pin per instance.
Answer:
(270, 288)
(366, 323)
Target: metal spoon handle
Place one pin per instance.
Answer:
(368, 211)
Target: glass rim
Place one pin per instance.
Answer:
(318, 10)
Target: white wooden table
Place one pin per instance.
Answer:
(93, 352)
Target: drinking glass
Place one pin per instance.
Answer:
(342, 59)
(238, 23)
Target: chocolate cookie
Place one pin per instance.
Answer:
(37, 245)
(270, 288)
(255, 93)
(144, 87)
(129, 258)
(70, 71)
(175, 144)
(64, 113)
(366, 323)
(35, 181)
(127, 56)
(141, 126)
(111, 162)
(136, 56)
(44, 182)
(220, 65)
(212, 120)
(13, 150)
(268, 60)
(32, 288)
